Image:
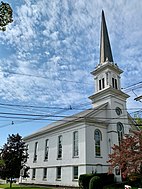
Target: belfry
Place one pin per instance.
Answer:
(107, 73)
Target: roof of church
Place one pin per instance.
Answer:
(85, 115)
(105, 48)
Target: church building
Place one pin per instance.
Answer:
(80, 144)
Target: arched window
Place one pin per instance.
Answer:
(98, 138)
(120, 130)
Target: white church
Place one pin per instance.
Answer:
(80, 144)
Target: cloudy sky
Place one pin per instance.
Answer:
(48, 52)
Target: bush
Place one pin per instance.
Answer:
(106, 178)
(135, 179)
(85, 179)
(95, 183)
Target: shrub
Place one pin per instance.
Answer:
(106, 178)
(95, 183)
(84, 179)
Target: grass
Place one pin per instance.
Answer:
(16, 186)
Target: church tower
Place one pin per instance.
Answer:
(107, 73)
(108, 90)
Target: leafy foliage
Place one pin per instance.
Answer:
(5, 15)
(14, 155)
(95, 183)
(139, 122)
(128, 155)
(85, 179)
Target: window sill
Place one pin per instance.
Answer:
(98, 157)
(44, 179)
(58, 179)
(75, 180)
(46, 160)
(75, 157)
(59, 158)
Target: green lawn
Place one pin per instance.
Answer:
(16, 186)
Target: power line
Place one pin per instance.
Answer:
(43, 77)
(70, 107)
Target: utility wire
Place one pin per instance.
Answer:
(45, 77)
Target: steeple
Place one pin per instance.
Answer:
(105, 48)
(107, 73)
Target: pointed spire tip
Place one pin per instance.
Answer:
(105, 48)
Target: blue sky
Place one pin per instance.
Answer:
(48, 52)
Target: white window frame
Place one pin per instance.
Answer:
(120, 130)
(75, 176)
(59, 170)
(75, 144)
(46, 150)
(35, 151)
(60, 147)
(45, 173)
(33, 173)
(97, 138)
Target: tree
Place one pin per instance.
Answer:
(14, 156)
(5, 15)
(139, 122)
(128, 155)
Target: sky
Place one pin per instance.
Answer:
(48, 52)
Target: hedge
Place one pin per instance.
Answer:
(95, 183)
(84, 179)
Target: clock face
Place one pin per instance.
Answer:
(118, 111)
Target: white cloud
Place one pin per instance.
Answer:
(60, 40)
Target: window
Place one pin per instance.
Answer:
(103, 83)
(118, 111)
(34, 173)
(35, 151)
(114, 83)
(100, 86)
(58, 173)
(45, 173)
(120, 130)
(98, 138)
(60, 146)
(46, 149)
(75, 172)
(75, 143)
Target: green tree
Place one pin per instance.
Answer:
(5, 15)
(139, 122)
(14, 156)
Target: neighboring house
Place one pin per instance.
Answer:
(79, 144)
